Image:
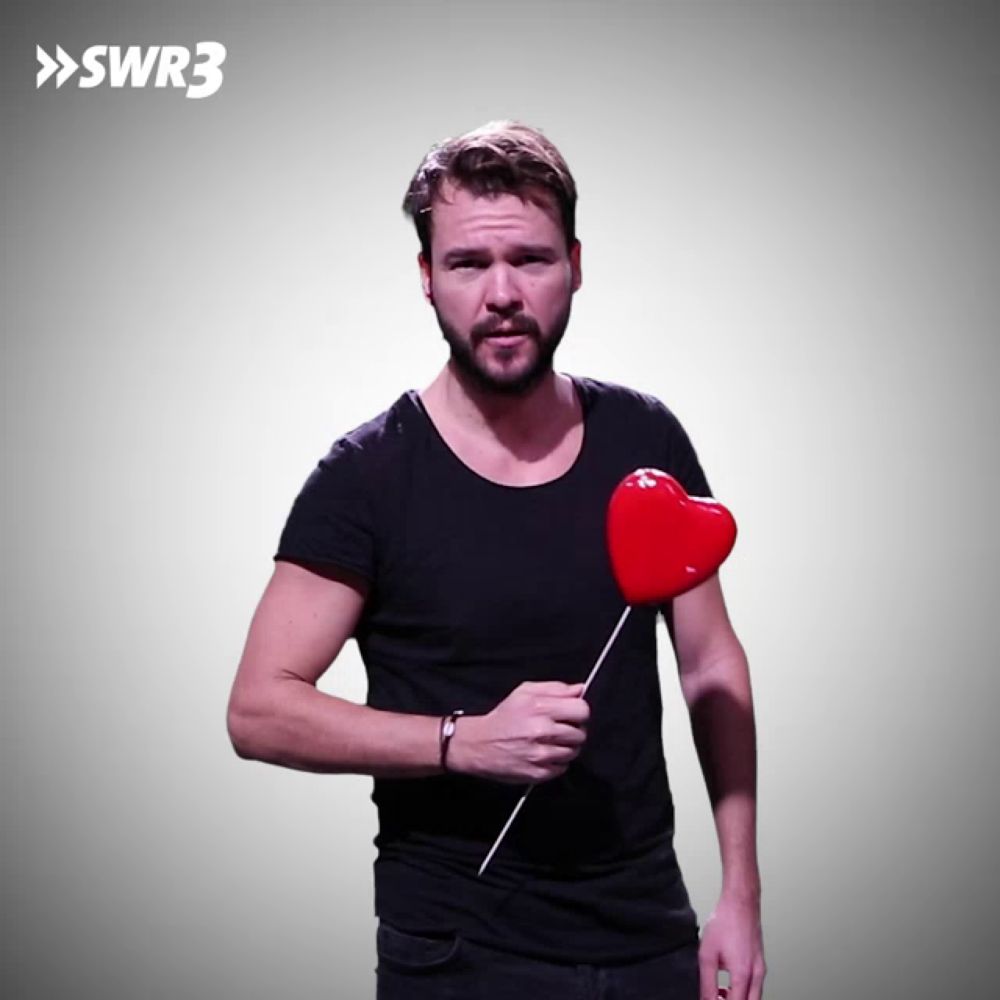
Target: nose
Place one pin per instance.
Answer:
(502, 293)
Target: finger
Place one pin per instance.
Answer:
(565, 736)
(547, 758)
(739, 984)
(574, 711)
(556, 689)
(757, 982)
(546, 772)
(707, 971)
(559, 756)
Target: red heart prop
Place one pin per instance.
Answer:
(663, 542)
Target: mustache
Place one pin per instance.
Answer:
(520, 323)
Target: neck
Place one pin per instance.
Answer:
(507, 418)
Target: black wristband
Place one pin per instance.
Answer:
(447, 731)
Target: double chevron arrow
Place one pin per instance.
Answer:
(66, 65)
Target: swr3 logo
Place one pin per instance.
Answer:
(133, 66)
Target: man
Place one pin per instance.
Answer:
(459, 536)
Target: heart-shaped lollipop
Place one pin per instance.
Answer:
(661, 541)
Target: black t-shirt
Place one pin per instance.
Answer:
(474, 588)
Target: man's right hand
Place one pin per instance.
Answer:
(532, 736)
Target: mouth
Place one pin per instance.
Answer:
(502, 339)
(509, 334)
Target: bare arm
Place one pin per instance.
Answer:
(276, 713)
(715, 681)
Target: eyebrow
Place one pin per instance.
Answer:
(521, 249)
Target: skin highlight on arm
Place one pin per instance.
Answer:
(278, 716)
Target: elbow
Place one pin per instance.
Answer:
(721, 666)
(709, 652)
(243, 727)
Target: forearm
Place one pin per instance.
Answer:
(718, 695)
(293, 724)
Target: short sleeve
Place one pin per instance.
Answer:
(682, 463)
(682, 460)
(330, 521)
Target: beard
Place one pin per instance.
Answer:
(521, 379)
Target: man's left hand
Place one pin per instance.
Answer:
(732, 940)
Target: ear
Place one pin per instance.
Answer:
(425, 277)
(574, 263)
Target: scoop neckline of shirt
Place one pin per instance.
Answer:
(581, 394)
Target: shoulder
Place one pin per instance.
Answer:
(652, 429)
(378, 445)
(627, 403)
(343, 493)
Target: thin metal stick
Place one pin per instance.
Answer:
(527, 792)
(607, 647)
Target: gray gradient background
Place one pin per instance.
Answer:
(791, 234)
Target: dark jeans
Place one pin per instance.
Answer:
(421, 968)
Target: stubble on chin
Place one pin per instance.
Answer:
(487, 378)
(465, 361)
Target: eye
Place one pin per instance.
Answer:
(466, 265)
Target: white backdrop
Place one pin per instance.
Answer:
(789, 217)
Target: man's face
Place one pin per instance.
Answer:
(501, 282)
